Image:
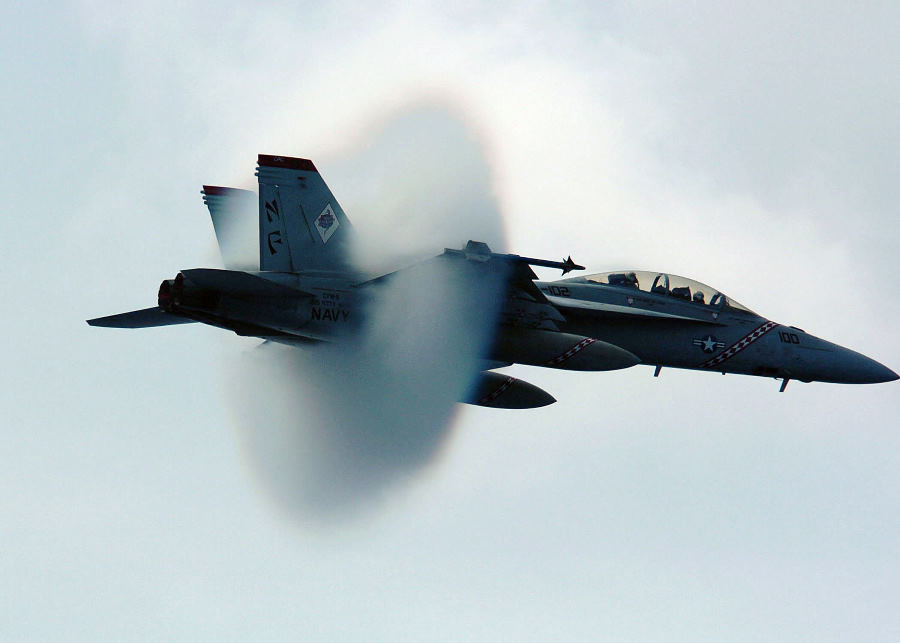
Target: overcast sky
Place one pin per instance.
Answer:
(752, 149)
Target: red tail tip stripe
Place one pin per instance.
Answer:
(287, 162)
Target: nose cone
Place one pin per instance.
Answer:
(859, 369)
(833, 363)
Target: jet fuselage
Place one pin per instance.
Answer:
(710, 333)
(305, 289)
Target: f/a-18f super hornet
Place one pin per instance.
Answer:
(306, 291)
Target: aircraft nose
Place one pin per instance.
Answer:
(849, 367)
(877, 373)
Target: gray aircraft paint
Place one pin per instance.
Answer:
(307, 292)
(302, 227)
(664, 330)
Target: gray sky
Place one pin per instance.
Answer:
(753, 149)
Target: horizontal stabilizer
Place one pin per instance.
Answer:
(146, 318)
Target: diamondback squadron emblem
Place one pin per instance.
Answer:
(326, 223)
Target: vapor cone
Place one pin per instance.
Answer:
(328, 429)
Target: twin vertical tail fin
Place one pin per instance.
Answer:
(231, 211)
(302, 227)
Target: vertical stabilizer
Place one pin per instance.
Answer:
(302, 227)
(232, 213)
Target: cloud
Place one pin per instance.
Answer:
(329, 429)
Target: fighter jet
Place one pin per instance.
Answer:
(305, 290)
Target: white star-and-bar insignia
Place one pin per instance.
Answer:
(709, 344)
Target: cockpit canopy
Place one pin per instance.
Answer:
(660, 283)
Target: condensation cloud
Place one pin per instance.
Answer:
(328, 429)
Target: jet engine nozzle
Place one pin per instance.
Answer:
(165, 298)
(182, 294)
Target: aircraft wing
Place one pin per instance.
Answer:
(146, 318)
(524, 305)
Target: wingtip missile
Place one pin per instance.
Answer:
(480, 251)
(568, 265)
